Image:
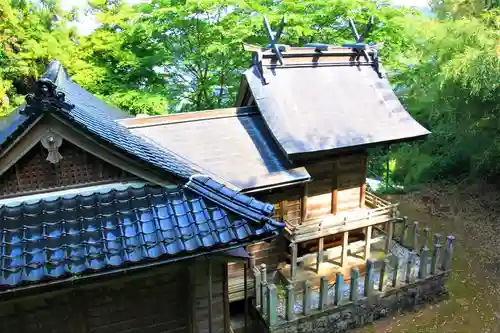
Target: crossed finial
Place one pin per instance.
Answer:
(274, 37)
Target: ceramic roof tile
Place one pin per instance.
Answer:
(74, 234)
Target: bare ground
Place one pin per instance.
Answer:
(472, 214)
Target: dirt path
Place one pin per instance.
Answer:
(472, 214)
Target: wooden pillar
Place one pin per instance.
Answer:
(245, 293)
(293, 260)
(390, 235)
(362, 193)
(368, 238)
(304, 204)
(345, 249)
(335, 195)
(209, 273)
(225, 297)
(319, 258)
(335, 187)
(284, 210)
(251, 261)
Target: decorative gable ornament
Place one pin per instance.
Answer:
(52, 142)
(45, 98)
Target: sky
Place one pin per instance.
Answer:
(88, 23)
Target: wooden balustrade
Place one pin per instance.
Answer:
(379, 211)
(387, 271)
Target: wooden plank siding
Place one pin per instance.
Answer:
(338, 185)
(167, 299)
(201, 299)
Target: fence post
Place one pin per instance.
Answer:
(414, 239)
(404, 234)
(354, 284)
(395, 277)
(290, 302)
(307, 297)
(271, 304)
(436, 239)
(370, 268)
(436, 257)
(425, 238)
(384, 275)
(424, 262)
(448, 253)
(263, 288)
(339, 286)
(410, 268)
(323, 293)
(257, 288)
(390, 236)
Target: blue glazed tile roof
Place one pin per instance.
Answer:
(78, 233)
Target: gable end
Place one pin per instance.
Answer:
(33, 173)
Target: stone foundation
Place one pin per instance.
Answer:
(357, 314)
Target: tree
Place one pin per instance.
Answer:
(454, 90)
(199, 44)
(30, 36)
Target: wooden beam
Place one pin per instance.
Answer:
(319, 258)
(293, 263)
(245, 286)
(335, 186)
(225, 297)
(390, 235)
(22, 145)
(304, 203)
(345, 249)
(210, 295)
(284, 209)
(368, 238)
(88, 143)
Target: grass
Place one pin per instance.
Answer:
(474, 286)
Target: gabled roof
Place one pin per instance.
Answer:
(327, 100)
(121, 226)
(234, 144)
(59, 95)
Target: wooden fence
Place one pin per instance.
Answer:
(378, 277)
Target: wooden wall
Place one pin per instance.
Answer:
(32, 173)
(337, 185)
(159, 303)
(199, 284)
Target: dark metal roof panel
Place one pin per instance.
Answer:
(114, 227)
(238, 149)
(327, 108)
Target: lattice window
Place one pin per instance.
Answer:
(77, 167)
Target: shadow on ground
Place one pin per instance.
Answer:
(472, 214)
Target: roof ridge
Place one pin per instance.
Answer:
(188, 117)
(235, 201)
(48, 89)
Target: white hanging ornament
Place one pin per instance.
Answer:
(52, 142)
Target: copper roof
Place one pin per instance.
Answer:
(326, 101)
(233, 144)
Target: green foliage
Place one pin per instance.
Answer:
(454, 90)
(181, 55)
(30, 36)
